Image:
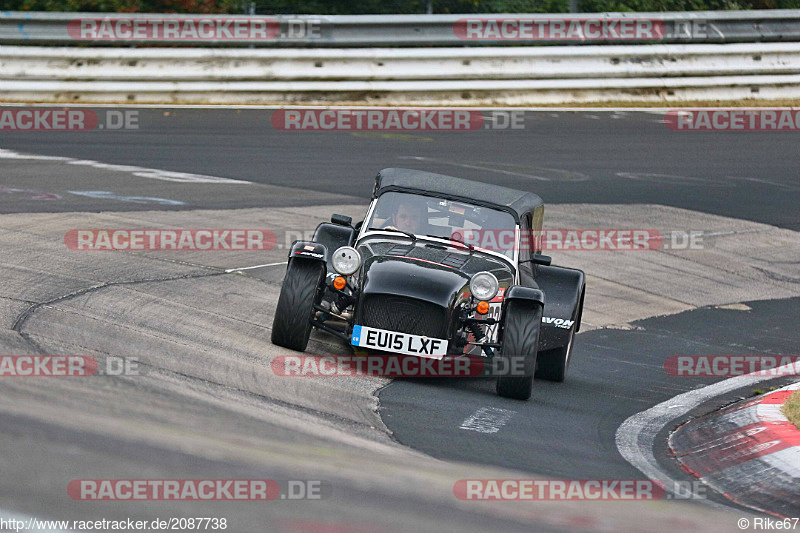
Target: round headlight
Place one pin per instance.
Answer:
(346, 260)
(484, 286)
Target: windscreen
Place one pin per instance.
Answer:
(480, 226)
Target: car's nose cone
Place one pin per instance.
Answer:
(415, 278)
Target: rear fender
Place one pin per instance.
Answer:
(564, 288)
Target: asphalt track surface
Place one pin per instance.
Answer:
(566, 157)
(565, 431)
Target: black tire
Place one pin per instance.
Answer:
(552, 365)
(291, 326)
(522, 322)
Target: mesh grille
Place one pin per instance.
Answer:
(406, 315)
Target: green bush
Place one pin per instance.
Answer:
(126, 6)
(350, 7)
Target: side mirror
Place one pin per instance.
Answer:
(540, 259)
(342, 220)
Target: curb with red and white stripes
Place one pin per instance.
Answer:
(749, 452)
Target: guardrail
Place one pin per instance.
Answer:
(430, 76)
(417, 64)
(38, 28)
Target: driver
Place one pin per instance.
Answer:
(409, 216)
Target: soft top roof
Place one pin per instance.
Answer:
(518, 202)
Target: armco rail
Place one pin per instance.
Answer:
(375, 64)
(426, 76)
(37, 28)
(706, 56)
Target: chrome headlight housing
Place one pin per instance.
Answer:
(484, 286)
(346, 260)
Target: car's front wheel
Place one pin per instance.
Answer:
(291, 326)
(522, 322)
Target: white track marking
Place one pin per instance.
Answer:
(487, 420)
(108, 195)
(10, 154)
(477, 167)
(256, 266)
(768, 182)
(636, 436)
(671, 179)
(488, 166)
(142, 172)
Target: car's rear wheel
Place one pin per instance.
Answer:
(291, 326)
(552, 365)
(522, 322)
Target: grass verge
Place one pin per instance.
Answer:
(792, 408)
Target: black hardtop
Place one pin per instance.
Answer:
(404, 179)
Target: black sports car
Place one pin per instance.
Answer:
(440, 267)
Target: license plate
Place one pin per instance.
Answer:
(396, 342)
